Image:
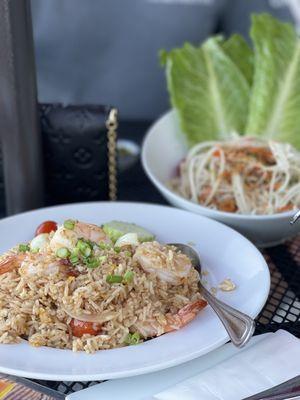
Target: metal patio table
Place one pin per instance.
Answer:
(282, 310)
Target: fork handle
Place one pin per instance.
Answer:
(239, 326)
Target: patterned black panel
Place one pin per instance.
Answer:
(75, 152)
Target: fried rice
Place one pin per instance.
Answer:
(39, 308)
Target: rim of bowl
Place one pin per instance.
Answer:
(163, 187)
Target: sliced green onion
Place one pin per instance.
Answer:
(79, 244)
(69, 224)
(24, 247)
(104, 246)
(87, 252)
(74, 259)
(128, 339)
(92, 263)
(102, 259)
(132, 338)
(117, 249)
(84, 248)
(135, 338)
(114, 279)
(128, 253)
(128, 276)
(90, 243)
(63, 252)
(75, 252)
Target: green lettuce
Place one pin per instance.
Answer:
(209, 88)
(225, 86)
(274, 110)
(241, 54)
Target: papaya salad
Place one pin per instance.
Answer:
(86, 287)
(244, 175)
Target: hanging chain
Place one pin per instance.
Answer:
(112, 125)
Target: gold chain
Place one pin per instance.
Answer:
(112, 125)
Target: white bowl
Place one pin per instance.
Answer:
(164, 147)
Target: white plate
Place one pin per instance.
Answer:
(224, 252)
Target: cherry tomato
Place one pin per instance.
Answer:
(79, 328)
(46, 227)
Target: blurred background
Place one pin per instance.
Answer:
(106, 52)
(101, 53)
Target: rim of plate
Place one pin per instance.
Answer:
(164, 188)
(152, 367)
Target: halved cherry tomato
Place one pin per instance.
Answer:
(80, 328)
(46, 227)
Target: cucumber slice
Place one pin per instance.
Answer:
(116, 229)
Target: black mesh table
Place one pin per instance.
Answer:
(282, 309)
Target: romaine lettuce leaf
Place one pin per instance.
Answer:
(274, 110)
(208, 90)
(241, 54)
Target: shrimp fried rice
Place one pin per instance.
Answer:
(74, 288)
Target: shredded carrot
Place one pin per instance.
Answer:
(205, 192)
(227, 205)
(217, 153)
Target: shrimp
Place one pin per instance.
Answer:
(32, 264)
(163, 261)
(10, 263)
(40, 265)
(68, 238)
(173, 321)
(90, 232)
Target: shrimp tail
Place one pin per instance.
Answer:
(184, 316)
(173, 321)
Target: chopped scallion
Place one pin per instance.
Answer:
(84, 248)
(75, 252)
(135, 338)
(74, 259)
(104, 246)
(87, 252)
(132, 338)
(69, 224)
(63, 252)
(92, 263)
(114, 279)
(24, 247)
(128, 276)
(117, 249)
